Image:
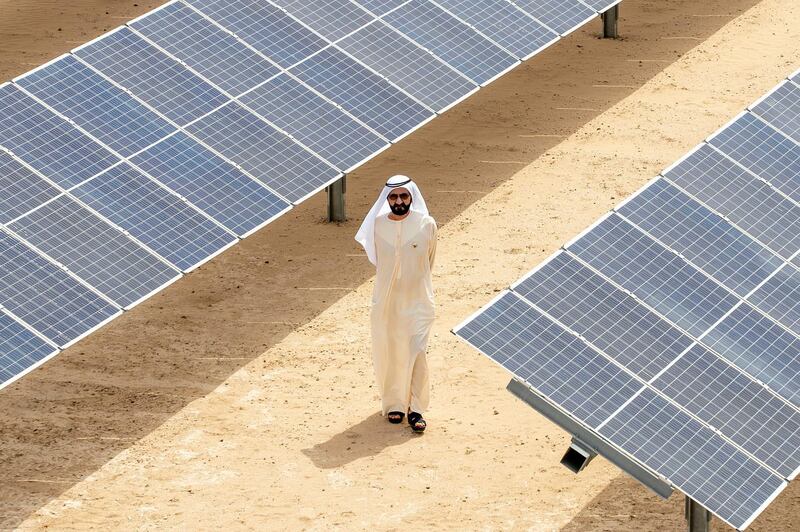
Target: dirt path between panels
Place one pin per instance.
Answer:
(241, 397)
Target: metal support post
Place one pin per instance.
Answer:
(610, 18)
(698, 519)
(336, 191)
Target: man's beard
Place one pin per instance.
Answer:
(400, 209)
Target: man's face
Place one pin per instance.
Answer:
(399, 201)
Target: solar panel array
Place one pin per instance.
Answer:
(146, 152)
(671, 327)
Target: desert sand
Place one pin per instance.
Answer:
(241, 397)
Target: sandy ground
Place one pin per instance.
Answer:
(242, 397)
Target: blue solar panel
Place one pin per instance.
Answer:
(315, 122)
(694, 458)
(158, 219)
(98, 253)
(380, 7)
(734, 193)
(559, 15)
(764, 151)
(265, 27)
(504, 23)
(660, 278)
(363, 93)
(455, 42)
(600, 5)
(610, 319)
(550, 359)
(702, 237)
(23, 190)
(152, 76)
(407, 65)
(105, 111)
(735, 405)
(47, 142)
(46, 297)
(779, 298)
(267, 154)
(209, 50)
(782, 109)
(19, 349)
(207, 181)
(333, 19)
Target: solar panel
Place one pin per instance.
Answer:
(105, 111)
(505, 23)
(46, 297)
(453, 41)
(333, 19)
(704, 238)
(692, 288)
(209, 50)
(217, 187)
(20, 349)
(380, 7)
(742, 198)
(409, 66)
(562, 16)
(364, 94)
(271, 156)
(160, 220)
(764, 151)
(23, 190)
(781, 108)
(154, 77)
(265, 27)
(47, 142)
(98, 253)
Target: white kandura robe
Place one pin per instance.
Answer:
(403, 310)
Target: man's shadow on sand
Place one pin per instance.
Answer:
(366, 438)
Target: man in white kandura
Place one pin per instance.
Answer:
(400, 240)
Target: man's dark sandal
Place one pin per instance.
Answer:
(417, 423)
(395, 417)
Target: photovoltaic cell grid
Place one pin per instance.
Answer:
(686, 299)
(157, 94)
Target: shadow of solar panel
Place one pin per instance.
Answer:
(265, 27)
(695, 459)
(361, 92)
(333, 19)
(46, 297)
(215, 186)
(757, 346)
(740, 408)
(152, 76)
(456, 43)
(607, 317)
(661, 279)
(782, 109)
(742, 198)
(764, 151)
(380, 7)
(270, 156)
(105, 111)
(779, 298)
(20, 349)
(562, 16)
(315, 122)
(47, 142)
(23, 190)
(504, 23)
(203, 46)
(160, 220)
(407, 65)
(550, 359)
(98, 253)
(705, 239)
